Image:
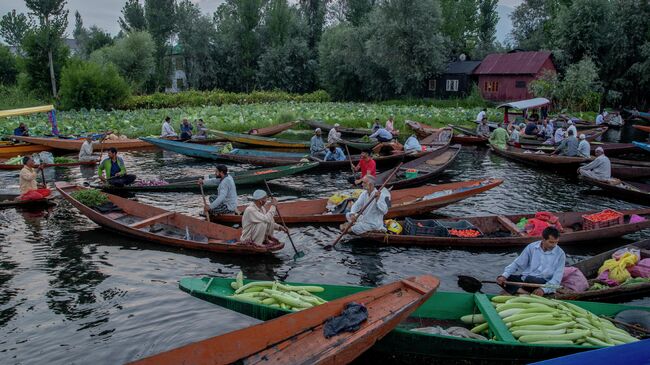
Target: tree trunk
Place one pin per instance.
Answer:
(49, 55)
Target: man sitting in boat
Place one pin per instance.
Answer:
(334, 136)
(367, 166)
(316, 145)
(382, 135)
(372, 219)
(258, 223)
(22, 130)
(376, 125)
(600, 118)
(167, 129)
(335, 153)
(568, 146)
(499, 137)
(390, 126)
(481, 115)
(600, 168)
(225, 202)
(412, 144)
(186, 130)
(541, 262)
(483, 129)
(514, 136)
(86, 150)
(201, 130)
(29, 188)
(584, 148)
(115, 170)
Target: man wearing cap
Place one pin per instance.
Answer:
(86, 151)
(226, 200)
(316, 145)
(571, 127)
(258, 222)
(584, 149)
(334, 136)
(600, 168)
(372, 219)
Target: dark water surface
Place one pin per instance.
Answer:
(71, 292)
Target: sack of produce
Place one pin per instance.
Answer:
(641, 269)
(618, 268)
(573, 279)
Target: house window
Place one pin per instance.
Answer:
(432, 85)
(520, 84)
(452, 85)
(491, 86)
(178, 63)
(180, 84)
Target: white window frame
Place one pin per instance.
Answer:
(452, 85)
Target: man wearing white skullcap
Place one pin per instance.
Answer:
(372, 219)
(584, 149)
(258, 222)
(334, 136)
(600, 168)
(316, 145)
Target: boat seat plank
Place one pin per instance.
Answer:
(497, 326)
(510, 225)
(115, 215)
(151, 220)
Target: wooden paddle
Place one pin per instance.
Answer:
(205, 203)
(347, 228)
(350, 159)
(298, 254)
(43, 177)
(473, 285)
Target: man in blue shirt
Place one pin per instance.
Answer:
(22, 130)
(412, 144)
(382, 135)
(226, 200)
(186, 130)
(335, 154)
(541, 262)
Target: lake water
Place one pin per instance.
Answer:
(71, 292)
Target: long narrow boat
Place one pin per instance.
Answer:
(359, 144)
(610, 149)
(75, 144)
(421, 130)
(427, 167)
(501, 231)
(643, 146)
(590, 135)
(635, 114)
(404, 202)
(272, 130)
(156, 225)
(438, 137)
(262, 158)
(643, 128)
(187, 149)
(630, 353)
(382, 160)
(589, 268)
(630, 169)
(11, 149)
(539, 158)
(443, 309)
(298, 338)
(12, 201)
(467, 136)
(353, 132)
(241, 178)
(627, 190)
(259, 141)
(5, 166)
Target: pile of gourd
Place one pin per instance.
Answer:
(276, 294)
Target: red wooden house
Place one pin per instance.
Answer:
(505, 76)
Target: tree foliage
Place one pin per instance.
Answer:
(89, 40)
(89, 85)
(14, 27)
(160, 16)
(132, 19)
(459, 25)
(579, 90)
(36, 46)
(486, 27)
(8, 66)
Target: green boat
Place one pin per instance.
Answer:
(359, 144)
(241, 178)
(259, 141)
(407, 346)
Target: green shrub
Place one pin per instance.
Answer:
(8, 66)
(89, 85)
(13, 97)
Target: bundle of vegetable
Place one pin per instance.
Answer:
(18, 160)
(276, 294)
(151, 183)
(537, 320)
(90, 197)
(64, 160)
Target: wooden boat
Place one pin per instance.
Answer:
(501, 231)
(272, 130)
(590, 135)
(297, 338)
(589, 267)
(630, 353)
(382, 160)
(75, 144)
(359, 144)
(467, 136)
(611, 149)
(155, 225)
(630, 169)
(438, 137)
(11, 149)
(403, 203)
(635, 114)
(241, 178)
(539, 159)
(11, 201)
(4, 166)
(421, 130)
(442, 309)
(427, 166)
(259, 141)
(643, 146)
(643, 128)
(352, 132)
(263, 158)
(627, 190)
(187, 149)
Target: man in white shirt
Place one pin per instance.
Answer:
(571, 127)
(167, 129)
(372, 219)
(226, 200)
(86, 150)
(584, 148)
(599, 169)
(334, 136)
(482, 114)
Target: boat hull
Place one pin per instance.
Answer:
(187, 149)
(259, 141)
(75, 144)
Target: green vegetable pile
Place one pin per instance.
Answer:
(64, 160)
(276, 294)
(90, 197)
(18, 160)
(538, 320)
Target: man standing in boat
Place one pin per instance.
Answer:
(600, 168)
(372, 219)
(113, 171)
(226, 200)
(258, 222)
(541, 262)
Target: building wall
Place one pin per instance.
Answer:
(177, 79)
(509, 87)
(440, 89)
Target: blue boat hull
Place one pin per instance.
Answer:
(187, 149)
(643, 146)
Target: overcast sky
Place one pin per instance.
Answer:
(104, 13)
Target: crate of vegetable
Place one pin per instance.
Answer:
(276, 294)
(606, 218)
(462, 229)
(90, 197)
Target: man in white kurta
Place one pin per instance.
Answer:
(167, 129)
(334, 136)
(372, 219)
(86, 151)
(599, 169)
(258, 222)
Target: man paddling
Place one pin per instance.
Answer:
(258, 223)
(372, 219)
(334, 136)
(569, 146)
(367, 166)
(541, 262)
(113, 171)
(29, 188)
(86, 150)
(225, 202)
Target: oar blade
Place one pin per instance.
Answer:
(469, 284)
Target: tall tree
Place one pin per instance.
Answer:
(14, 27)
(8, 66)
(132, 19)
(314, 14)
(355, 11)
(341, 51)
(53, 19)
(160, 15)
(486, 27)
(533, 23)
(459, 25)
(196, 37)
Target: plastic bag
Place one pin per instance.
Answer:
(574, 279)
(46, 157)
(641, 269)
(635, 218)
(522, 223)
(618, 268)
(634, 251)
